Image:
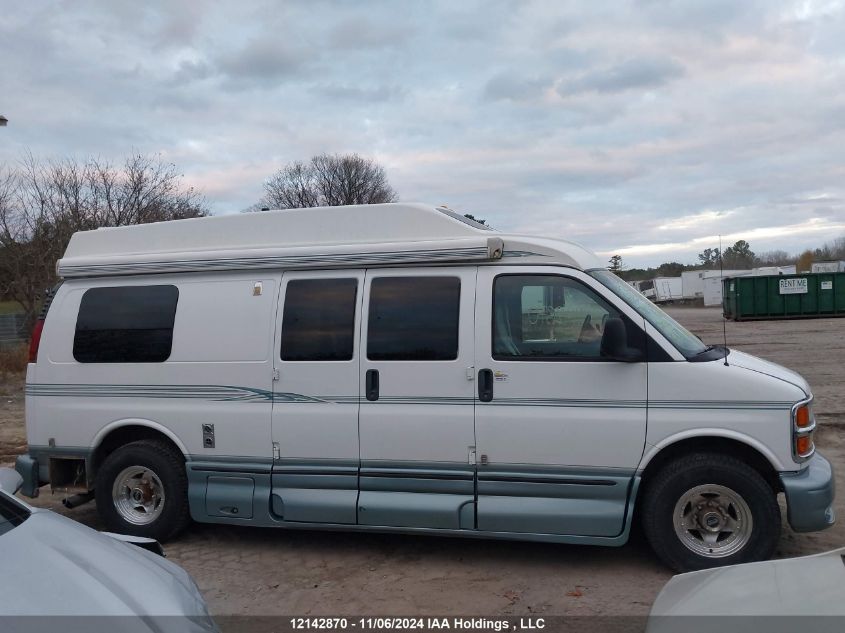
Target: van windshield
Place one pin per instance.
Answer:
(686, 343)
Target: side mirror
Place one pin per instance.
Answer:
(614, 343)
(10, 481)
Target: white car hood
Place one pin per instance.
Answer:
(747, 361)
(810, 585)
(55, 566)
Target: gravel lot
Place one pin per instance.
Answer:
(266, 572)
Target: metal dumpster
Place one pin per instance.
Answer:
(784, 296)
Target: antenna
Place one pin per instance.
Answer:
(722, 281)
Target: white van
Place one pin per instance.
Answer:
(401, 368)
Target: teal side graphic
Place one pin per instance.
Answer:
(232, 393)
(218, 393)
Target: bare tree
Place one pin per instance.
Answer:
(42, 203)
(830, 250)
(775, 258)
(327, 180)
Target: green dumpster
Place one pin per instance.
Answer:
(784, 296)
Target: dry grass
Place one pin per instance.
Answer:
(10, 307)
(13, 361)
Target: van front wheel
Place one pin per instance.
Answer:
(707, 510)
(142, 490)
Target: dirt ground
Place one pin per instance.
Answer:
(267, 572)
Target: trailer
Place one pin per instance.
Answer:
(668, 289)
(692, 284)
(827, 267)
(713, 285)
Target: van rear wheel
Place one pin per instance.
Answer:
(707, 510)
(142, 490)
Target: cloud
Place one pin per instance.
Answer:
(265, 58)
(357, 33)
(646, 125)
(364, 94)
(635, 73)
(189, 71)
(514, 86)
(696, 220)
(815, 228)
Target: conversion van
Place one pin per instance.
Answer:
(401, 368)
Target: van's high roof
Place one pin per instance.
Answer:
(320, 237)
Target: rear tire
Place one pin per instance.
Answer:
(708, 510)
(142, 490)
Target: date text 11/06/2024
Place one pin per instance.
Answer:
(417, 624)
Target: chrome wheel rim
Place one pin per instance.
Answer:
(713, 521)
(138, 495)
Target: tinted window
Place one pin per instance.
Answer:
(130, 324)
(319, 319)
(413, 318)
(537, 317)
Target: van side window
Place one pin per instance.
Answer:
(413, 318)
(547, 317)
(319, 320)
(126, 324)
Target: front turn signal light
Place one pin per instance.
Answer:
(803, 418)
(804, 445)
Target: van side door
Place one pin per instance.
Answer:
(559, 428)
(416, 421)
(315, 397)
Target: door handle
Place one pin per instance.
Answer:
(485, 385)
(372, 385)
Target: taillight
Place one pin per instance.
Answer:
(35, 341)
(803, 428)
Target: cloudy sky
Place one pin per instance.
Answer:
(644, 128)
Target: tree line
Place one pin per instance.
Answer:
(736, 257)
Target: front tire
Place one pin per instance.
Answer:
(707, 510)
(142, 490)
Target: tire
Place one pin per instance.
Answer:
(708, 510)
(142, 490)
